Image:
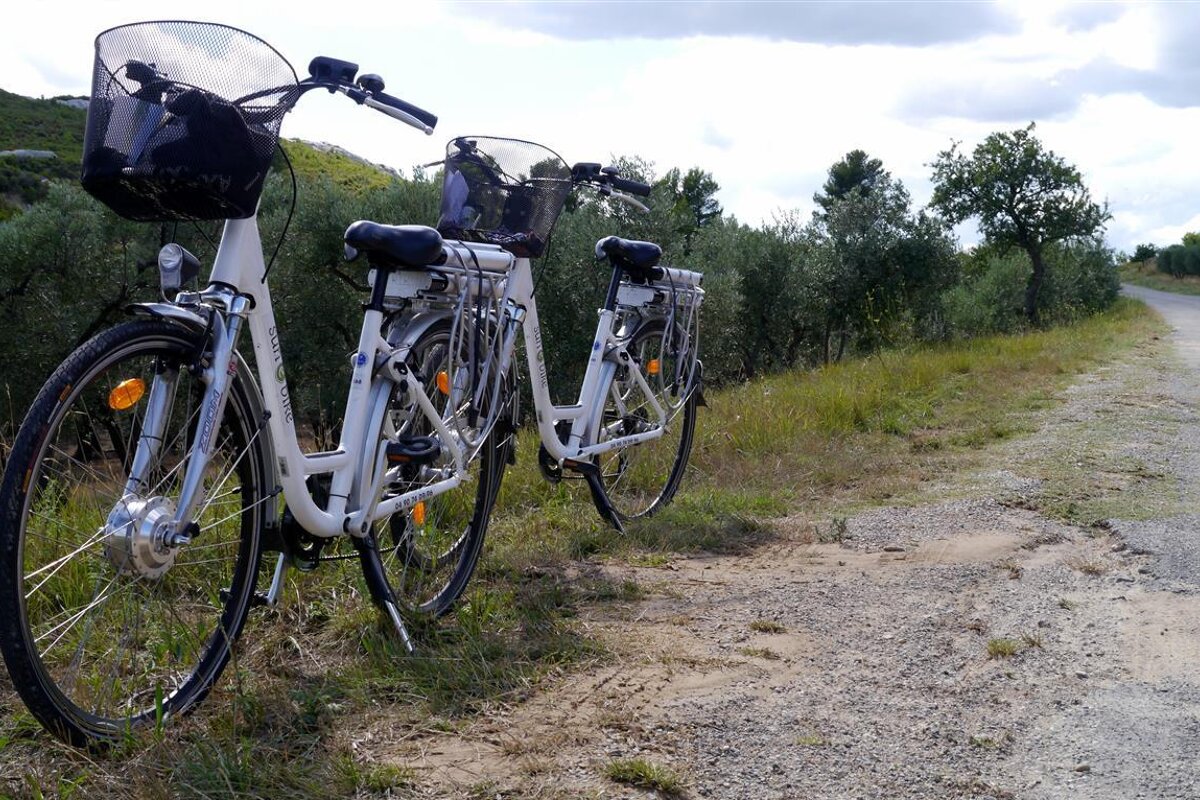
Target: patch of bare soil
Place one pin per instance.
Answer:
(956, 648)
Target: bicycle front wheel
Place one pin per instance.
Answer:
(641, 479)
(105, 624)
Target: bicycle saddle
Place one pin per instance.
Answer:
(394, 245)
(636, 258)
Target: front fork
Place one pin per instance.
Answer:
(150, 442)
(221, 369)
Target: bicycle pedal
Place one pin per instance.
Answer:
(414, 450)
(551, 471)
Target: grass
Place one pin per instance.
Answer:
(343, 170)
(645, 775)
(766, 626)
(1003, 648)
(321, 669)
(1088, 566)
(765, 653)
(984, 742)
(1012, 567)
(43, 124)
(1147, 275)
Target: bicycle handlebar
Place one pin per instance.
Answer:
(407, 113)
(626, 185)
(336, 75)
(607, 177)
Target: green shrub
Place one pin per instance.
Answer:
(990, 299)
(1081, 279)
(1144, 252)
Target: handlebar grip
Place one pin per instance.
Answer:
(408, 108)
(626, 185)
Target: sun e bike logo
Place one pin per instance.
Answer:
(277, 356)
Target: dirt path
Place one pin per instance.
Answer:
(964, 644)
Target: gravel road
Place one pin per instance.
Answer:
(962, 645)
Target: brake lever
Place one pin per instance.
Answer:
(608, 191)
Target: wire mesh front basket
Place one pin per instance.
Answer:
(183, 120)
(502, 191)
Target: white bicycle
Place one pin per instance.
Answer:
(152, 470)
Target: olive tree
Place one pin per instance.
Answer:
(1023, 195)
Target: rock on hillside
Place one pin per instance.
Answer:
(28, 154)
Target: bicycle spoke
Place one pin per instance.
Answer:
(107, 628)
(74, 618)
(61, 563)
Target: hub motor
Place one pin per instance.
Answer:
(138, 529)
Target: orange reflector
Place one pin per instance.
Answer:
(443, 382)
(418, 512)
(652, 367)
(126, 394)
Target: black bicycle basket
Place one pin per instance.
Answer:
(184, 120)
(502, 191)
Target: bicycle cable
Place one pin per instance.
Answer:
(204, 235)
(291, 210)
(542, 267)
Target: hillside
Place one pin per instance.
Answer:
(28, 124)
(314, 160)
(31, 124)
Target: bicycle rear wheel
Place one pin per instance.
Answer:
(106, 625)
(429, 552)
(641, 479)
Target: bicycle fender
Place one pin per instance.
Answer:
(417, 326)
(169, 311)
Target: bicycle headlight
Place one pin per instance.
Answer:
(176, 266)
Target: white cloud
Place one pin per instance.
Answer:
(912, 23)
(766, 117)
(1172, 234)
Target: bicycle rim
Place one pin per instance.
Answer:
(110, 627)
(640, 479)
(429, 551)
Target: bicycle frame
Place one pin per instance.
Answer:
(238, 292)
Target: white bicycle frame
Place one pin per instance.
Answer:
(238, 292)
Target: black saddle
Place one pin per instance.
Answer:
(638, 259)
(395, 245)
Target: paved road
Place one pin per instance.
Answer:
(1181, 311)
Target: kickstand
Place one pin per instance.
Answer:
(599, 496)
(381, 593)
(281, 568)
(398, 623)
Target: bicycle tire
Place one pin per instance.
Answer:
(641, 479)
(67, 471)
(429, 555)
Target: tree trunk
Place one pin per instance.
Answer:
(1034, 287)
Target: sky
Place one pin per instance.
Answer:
(764, 95)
